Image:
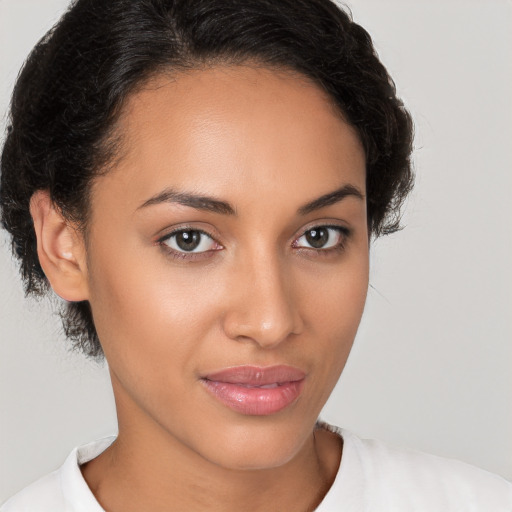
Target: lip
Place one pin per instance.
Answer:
(256, 391)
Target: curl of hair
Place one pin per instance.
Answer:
(72, 87)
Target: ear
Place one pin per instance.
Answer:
(60, 248)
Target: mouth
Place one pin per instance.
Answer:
(256, 391)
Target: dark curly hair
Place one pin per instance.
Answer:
(71, 89)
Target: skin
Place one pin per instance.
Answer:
(267, 142)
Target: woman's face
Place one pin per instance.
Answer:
(228, 250)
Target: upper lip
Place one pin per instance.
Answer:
(256, 375)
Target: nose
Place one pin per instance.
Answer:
(262, 306)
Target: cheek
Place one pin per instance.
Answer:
(145, 314)
(153, 326)
(334, 296)
(333, 307)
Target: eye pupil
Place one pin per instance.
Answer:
(317, 237)
(188, 240)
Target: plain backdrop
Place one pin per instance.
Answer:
(431, 364)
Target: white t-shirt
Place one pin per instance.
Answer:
(372, 477)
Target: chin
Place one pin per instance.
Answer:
(253, 460)
(258, 447)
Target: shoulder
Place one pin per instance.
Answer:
(45, 492)
(63, 490)
(398, 479)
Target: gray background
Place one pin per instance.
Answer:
(431, 364)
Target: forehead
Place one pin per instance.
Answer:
(232, 129)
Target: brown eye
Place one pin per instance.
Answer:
(317, 237)
(322, 237)
(189, 240)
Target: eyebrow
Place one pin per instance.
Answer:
(197, 201)
(211, 204)
(331, 198)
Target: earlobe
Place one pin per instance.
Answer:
(60, 249)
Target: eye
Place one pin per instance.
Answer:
(322, 238)
(189, 241)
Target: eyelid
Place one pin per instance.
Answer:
(210, 231)
(324, 224)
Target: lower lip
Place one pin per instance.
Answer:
(255, 401)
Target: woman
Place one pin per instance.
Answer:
(199, 181)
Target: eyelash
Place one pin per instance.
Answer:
(190, 256)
